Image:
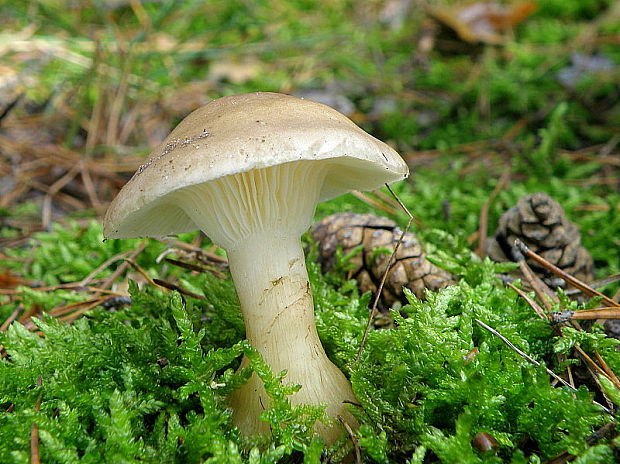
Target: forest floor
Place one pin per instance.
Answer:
(126, 350)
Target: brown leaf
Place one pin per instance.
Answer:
(9, 281)
(487, 22)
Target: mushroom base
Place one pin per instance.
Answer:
(278, 311)
(330, 387)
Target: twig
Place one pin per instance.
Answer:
(588, 314)
(89, 186)
(586, 289)
(552, 317)
(373, 309)
(69, 285)
(94, 303)
(597, 284)
(46, 210)
(142, 272)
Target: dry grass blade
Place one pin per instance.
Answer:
(90, 303)
(91, 190)
(535, 306)
(375, 303)
(142, 272)
(354, 440)
(5, 325)
(605, 371)
(194, 249)
(123, 267)
(484, 212)
(178, 288)
(588, 314)
(46, 211)
(597, 284)
(78, 313)
(103, 266)
(69, 285)
(531, 360)
(543, 292)
(523, 354)
(546, 316)
(374, 202)
(569, 279)
(194, 267)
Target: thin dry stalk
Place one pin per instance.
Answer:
(373, 309)
(595, 366)
(546, 316)
(91, 191)
(208, 256)
(484, 211)
(103, 266)
(354, 440)
(5, 325)
(34, 430)
(33, 311)
(374, 202)
(46, 210)
(142, 272)
(523, 354)
(535, 306)
(194, 267)
(597, 284)
(68, 318)
(70, 285)
(569, 279)
(543, 292)
(123, 267)
(178, 288)
(589, 314)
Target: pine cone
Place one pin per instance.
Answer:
(411, 268)
(539, 222)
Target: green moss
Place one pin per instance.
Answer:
(148, 382)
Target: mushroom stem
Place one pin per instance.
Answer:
(272, 283)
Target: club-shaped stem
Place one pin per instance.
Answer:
(258, 217)
(276, 301)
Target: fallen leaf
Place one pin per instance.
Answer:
(9, 281)
(487, 22)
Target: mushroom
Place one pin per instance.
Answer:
(248, 170)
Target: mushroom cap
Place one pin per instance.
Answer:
(240, 133)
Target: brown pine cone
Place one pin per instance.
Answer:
(539, 222)
(411, 268)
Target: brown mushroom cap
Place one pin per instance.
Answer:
(240, 133)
